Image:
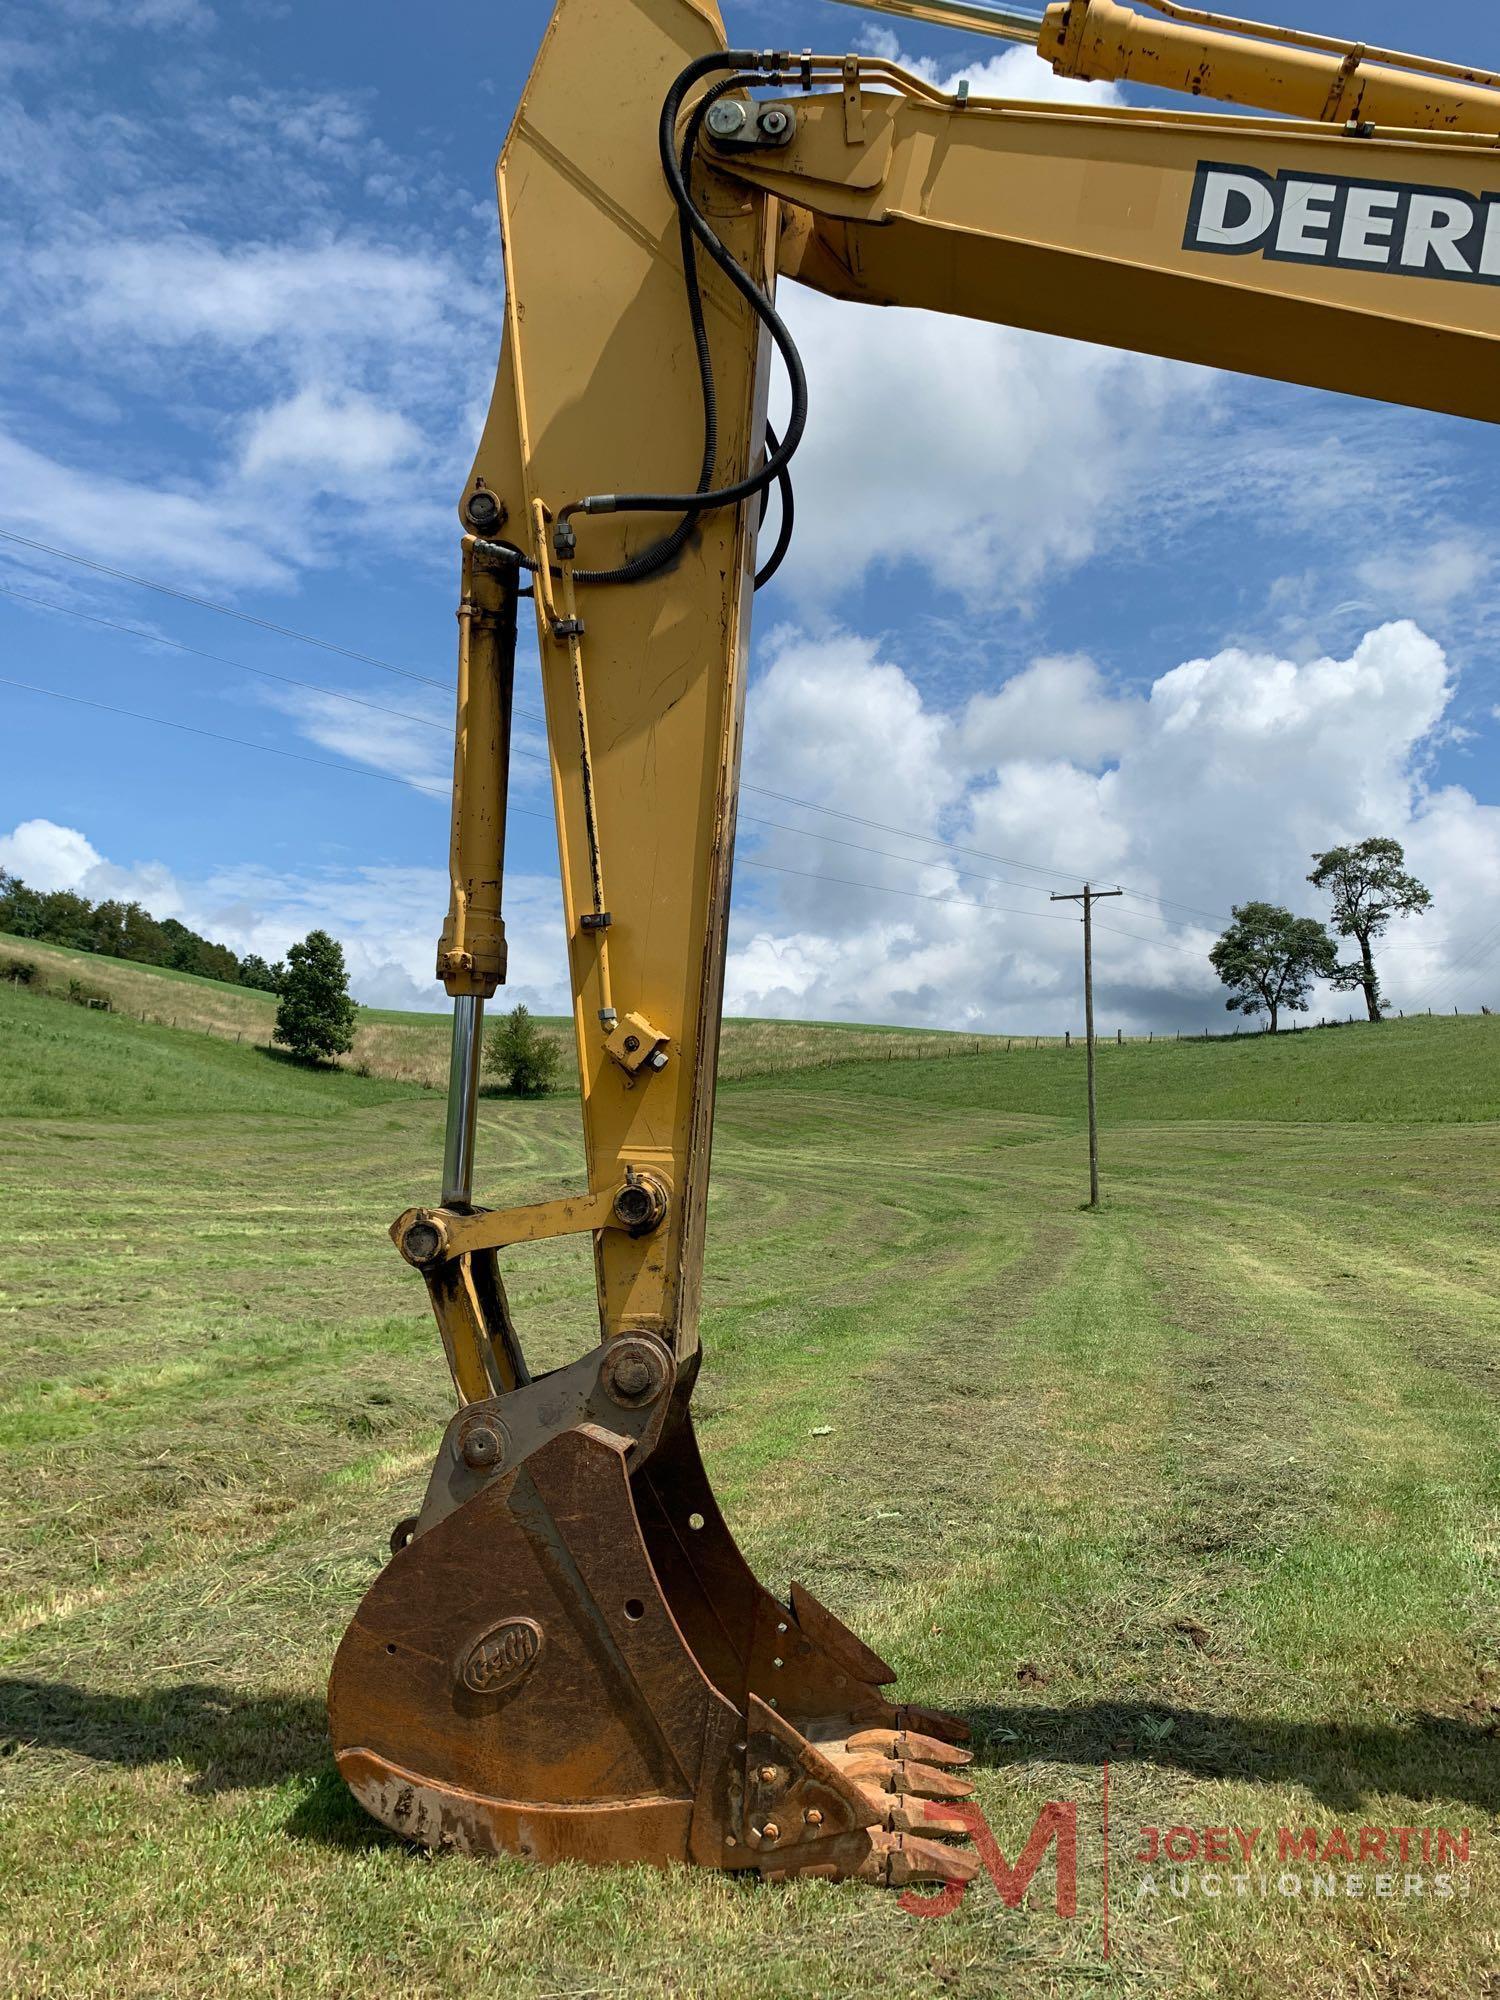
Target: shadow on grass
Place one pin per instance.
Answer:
(233, 1740)
(230, 1740)
(289, 1059)
(1342, 1763)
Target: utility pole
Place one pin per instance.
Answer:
(1088, 897)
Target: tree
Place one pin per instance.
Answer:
(254, 972)
(1268, 959)
(1369, 885)
(518, 1049)
(316, 1016)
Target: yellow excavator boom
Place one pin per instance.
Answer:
(567, 1656)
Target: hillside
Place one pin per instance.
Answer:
(413, 1048)
(62, 1061)
(1438, 1071)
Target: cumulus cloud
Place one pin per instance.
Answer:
(1214, 787)
(923, 894)
(999, 457)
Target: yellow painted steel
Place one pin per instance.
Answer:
(598, 390)
(1278, 69)
(1072, 220)
(1069, 219)
(1204, 54)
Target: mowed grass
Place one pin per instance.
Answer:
(412, 1048)
(1204, 1485)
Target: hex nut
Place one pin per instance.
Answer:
(641, 1204)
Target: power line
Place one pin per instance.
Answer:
(429, 791)
(224, 610)
(386, 666)
(405, 715)
(219, 659)
(958, 902)
(241, 742)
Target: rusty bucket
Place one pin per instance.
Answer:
(567, 1657)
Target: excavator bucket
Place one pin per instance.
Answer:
(571, 1660)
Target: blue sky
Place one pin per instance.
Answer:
(1187, 629)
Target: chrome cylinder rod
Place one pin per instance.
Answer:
(976, 17)
(463, 1098)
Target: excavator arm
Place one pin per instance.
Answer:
(567, 1656)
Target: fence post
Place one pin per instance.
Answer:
(1067, 1038)
(1119, 1038)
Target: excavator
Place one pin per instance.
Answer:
(567, 1657)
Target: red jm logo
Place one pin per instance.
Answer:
(1053, 1823)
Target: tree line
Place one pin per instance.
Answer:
(126, 930)
(1269, 957)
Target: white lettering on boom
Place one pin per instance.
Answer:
(1346, 223)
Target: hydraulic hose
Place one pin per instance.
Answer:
(694, 228)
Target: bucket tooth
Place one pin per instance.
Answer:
(906, 1743)
(933, 1722)
(900, 1859)
(890, 1774)
(905, 1813)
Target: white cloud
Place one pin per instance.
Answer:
(160, 528)
(327, 439)
(1216, 787)
(1449, 571)
(399, 745)
(48, 856)
(336, 293)
(1057, 707)
(999, 457)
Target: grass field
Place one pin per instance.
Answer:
(1204, 1485)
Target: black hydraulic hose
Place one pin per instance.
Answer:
(784, 527)
(692, 220)
(651, 560)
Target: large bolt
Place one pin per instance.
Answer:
(632, 1378)
(481, 1444)
(641, 1204)
(635, 1371)
(770, 1831)
(726, 117)
(775, 124)
(484, 512)
(421, 1243)
(813, 1817)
